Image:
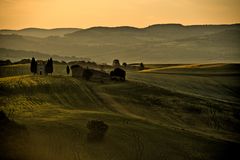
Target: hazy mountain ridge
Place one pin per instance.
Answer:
(39, 32)
(169, 43)
(15, 55)
(157, 28)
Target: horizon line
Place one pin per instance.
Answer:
(185, 25)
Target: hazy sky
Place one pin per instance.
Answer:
(16, 14)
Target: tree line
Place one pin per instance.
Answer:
(48, 67)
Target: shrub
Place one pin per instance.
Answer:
(118, 73)
(141, 66)
(97, 130)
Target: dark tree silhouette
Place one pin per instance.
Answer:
(87, 74)
(141, 66)
(49, 66)
(33, 66)
(68, 69)
(118, 73)
(111, 73)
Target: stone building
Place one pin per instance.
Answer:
(77, 71)
(97, 75)
(116, 63)
(41, 68)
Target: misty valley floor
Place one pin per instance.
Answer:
(153, 115)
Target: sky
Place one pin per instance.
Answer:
(18, 14)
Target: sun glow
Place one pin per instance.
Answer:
(16, 14)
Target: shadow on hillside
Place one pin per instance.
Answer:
(230, 151)
(12, 139)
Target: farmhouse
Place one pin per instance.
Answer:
(77, 71)
(136, 66)
(96, 75)
(41, 68)
(116, 63)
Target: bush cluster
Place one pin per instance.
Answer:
(118, 74)
(97, 130)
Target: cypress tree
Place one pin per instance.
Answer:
(47, 67)
(141, 66)
(68, 69)
(51, 66)
(33, 66)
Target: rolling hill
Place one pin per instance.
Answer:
(150, 116)
(196, 69)
(170, 43)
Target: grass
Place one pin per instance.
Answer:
(150, 116)
(196, 69)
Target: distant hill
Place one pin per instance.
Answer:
(163, 31)
(15, 55)
(160, 43)
(38, 32)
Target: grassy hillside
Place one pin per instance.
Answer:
(173, 43)
(195, 69)
(151, 116)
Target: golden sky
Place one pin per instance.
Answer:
(17, 14)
